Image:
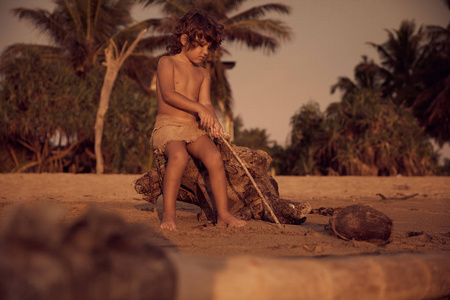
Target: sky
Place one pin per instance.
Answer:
(329, 38)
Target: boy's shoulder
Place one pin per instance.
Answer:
(165, 59)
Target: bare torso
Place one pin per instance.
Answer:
(187, 79)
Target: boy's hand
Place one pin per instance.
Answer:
(209, 122)
(216, 130)
(207, 119)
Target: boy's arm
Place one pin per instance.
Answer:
(205, 99)
(166, 81)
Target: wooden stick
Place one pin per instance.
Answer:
(252, 180)
(383, 197)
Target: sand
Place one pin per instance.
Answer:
(421, 223)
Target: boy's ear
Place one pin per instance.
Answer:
(184, 39)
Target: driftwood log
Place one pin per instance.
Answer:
(97, 256)
(100, 256)
(244, 199)
(397, 276)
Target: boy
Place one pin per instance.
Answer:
(186, 116)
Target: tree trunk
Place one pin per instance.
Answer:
(114, 61)
(108, 84)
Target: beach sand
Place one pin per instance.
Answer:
(421, 223)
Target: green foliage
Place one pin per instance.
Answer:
(38, 95)
(415, 65)
(258, 139)
(81, 28)
(50, 94)
(432, 103)
(254, 138)
(307, 129)
(364, 134)
(370, 135)
(128, 125)
(45, 108)
(375, 129)
(48, 113)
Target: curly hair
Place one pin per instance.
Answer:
(197, 25)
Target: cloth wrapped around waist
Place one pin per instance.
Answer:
(168, 129)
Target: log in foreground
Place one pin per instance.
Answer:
(100, 256)
(244, 199)
(399, 276)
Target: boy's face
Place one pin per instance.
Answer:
(197, 52)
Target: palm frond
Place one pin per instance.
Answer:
(251, 39)
(120, 9)
(344, 84)
(384, 53)
(141, 69)
(74, 14)
(149, 2)
(221, 94)
(149, 24)
(152, 43)
(174, 8)
(18, 49)
(98, 9)
(270, 27)
(258, 12)
(43, 21)
(232, 5)
(129, 33)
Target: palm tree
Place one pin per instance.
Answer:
(247, 27)
(401, 59)
(432, 104)
(83, 28)
(367, 74)
(416, 72)
(47, 113)
(375, 137)
(80, 31)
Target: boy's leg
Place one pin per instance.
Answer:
(206, 151)
(177, 158)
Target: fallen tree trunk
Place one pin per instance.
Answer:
(244, 192)
(399, 276)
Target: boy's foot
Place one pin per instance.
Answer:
(168, 222)
(230, 220)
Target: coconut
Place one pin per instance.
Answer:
(362, 223)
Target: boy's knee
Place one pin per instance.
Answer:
(179, 157)
(217, 156)
(215, 159)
